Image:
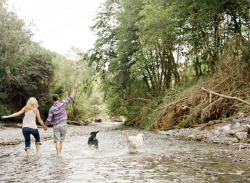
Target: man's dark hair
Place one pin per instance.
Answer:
(55, 97)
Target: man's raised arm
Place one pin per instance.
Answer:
(74, 91)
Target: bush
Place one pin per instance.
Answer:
(4, 111)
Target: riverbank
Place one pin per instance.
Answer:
(13, 136)
(231, 131)
(222, 132)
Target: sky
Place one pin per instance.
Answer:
(59, 24)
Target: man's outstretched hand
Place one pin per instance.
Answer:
(74, 90)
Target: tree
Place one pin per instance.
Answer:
(158, 37)
(145, 48)
(25, 67)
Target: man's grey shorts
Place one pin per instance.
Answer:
(60, 132)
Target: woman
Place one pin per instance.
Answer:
(29, 123)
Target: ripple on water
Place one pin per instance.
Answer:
(161, 159)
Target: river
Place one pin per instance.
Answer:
(161, 159)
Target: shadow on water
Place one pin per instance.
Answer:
(161, 159)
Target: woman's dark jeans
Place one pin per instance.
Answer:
(26, 133)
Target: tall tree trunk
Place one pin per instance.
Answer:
(215, 56)
(146, 81)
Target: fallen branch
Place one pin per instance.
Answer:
(172, 103)
(225, 96)
(210, 105)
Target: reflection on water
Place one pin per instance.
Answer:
(162, 159)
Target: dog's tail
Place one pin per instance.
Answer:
(126, 135)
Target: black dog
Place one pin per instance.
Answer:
(93, 142)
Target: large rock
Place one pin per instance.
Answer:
(237, 125)
(234, 131)
(241, 135)
(216, 132)
(191, 137)
(215, 139)
(227, 127)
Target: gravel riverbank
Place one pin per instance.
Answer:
(231, 131)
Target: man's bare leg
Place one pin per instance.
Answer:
(61, 145)
(58, 148)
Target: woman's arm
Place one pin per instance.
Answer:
(15, 114)
(39, 119)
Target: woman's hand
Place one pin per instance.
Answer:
(4, 117)
(45, 127)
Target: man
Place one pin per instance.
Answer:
(59, 115)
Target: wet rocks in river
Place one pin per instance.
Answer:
(231, 131)
(238, 159)
(98, 120)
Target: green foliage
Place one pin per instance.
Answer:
(25, 67)
(118, 41)
(88, 101)
(147, 48)
(105, 46)
(4, 111)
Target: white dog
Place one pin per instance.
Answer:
(134, 142)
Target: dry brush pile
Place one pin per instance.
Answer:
(196, 105)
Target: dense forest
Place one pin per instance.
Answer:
(29, 70)
(149, 52)
(149, 63)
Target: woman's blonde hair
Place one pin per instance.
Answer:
(31, 104)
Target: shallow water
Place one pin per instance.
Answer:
(161, 159)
